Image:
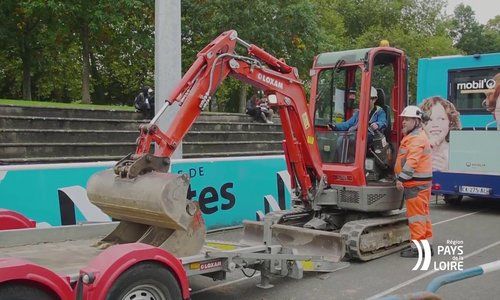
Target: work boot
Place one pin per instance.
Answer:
(409, 253)
(413, 252)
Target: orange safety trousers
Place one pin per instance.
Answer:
(417, 210)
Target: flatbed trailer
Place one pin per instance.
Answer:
(63, 263)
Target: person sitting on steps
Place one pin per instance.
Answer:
(144, 102)
(259, 109)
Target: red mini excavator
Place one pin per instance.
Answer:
(343, 185)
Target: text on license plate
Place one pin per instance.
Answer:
(476, 190)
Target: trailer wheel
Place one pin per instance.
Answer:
(151, 281)
(19, 291)
(452, 199)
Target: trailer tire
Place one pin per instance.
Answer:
(147, 280)
(20, 291)
(453, 200)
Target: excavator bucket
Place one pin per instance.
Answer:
(329, 245)
(152, 208)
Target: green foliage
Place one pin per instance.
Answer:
(42, 41)
(472, 37)
(415, 26)
(286, 29)
(25, 31)
(120, 35)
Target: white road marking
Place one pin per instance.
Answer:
(455, 218)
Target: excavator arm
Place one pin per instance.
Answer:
(151, 203)
(214, 63)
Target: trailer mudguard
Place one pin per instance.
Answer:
(20, 270)
(12, 220)
(105, 269)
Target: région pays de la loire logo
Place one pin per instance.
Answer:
(452, 251)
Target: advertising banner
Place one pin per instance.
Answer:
(228, 190)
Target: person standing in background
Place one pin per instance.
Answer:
(413, 170)
(144, 102)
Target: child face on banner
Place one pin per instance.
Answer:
(438, 126)
(443, 118)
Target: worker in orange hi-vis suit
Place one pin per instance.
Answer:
(414, 175)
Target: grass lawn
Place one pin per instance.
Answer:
(74, 105)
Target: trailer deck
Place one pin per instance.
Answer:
(67, 249)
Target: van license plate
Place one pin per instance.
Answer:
(474, 190)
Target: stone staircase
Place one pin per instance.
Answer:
(53, 135)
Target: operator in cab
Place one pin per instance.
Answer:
(377, 117)
(345, 148)
(413, 172)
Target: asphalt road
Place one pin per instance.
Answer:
(475, 223)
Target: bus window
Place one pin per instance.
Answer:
(467, 88)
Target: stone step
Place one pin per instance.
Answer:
(232, 154)
(235, 126)
(227, 147)
(52, 160)
(231, 136)
(49, 112)
(18, 122)
(224, 117)
(12, 110)
(27, 150)
(82, 136)
(67, 123)
(73, 159)
(66, 136)
(43, 135)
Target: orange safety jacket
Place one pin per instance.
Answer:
(414, 162)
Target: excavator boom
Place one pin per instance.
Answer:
(152, 204)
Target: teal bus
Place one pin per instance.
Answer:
(472, 165)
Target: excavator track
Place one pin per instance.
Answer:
(373, 238)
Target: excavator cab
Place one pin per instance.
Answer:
(356, 156)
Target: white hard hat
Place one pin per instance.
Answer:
(373, 92)
(150, 90)
(412, 111)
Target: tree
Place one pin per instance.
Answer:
(492, 35)
(333, 34)
(287, 29)
(416, 26)
(113, 45)
(24, 32)
(494, 24)
(104, 51)
(472, 37)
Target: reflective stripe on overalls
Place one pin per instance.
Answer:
(414, 169)
(417, 211)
